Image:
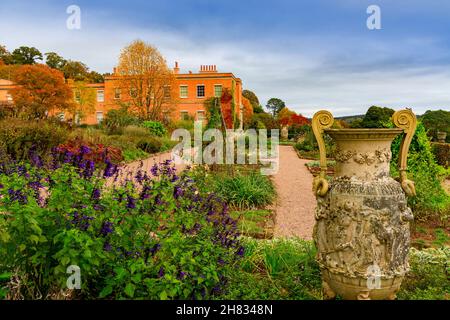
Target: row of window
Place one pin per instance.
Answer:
(184, 115)
(183, 92)
(200, 91)
(98, 114)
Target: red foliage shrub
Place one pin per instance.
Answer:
(98, 152)
(227, 113)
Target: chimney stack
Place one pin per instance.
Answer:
(208, 68)
(176, 70)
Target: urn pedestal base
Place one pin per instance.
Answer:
(357, 289)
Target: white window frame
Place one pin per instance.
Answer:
(115, 93)
(203, 113)
(187, 91)
(221, 90)
(100, 92)
(184, 112)
(61, 116)
(167, 92)
(204, 90)
(96, 116)
(9, 97)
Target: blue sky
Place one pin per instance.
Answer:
(312, 54)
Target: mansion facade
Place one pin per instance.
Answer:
(190, 90)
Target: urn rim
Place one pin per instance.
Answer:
(364, 133)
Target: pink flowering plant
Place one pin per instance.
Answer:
(137, 235)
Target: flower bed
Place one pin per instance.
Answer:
(156, 237)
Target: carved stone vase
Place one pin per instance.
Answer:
(284, 132)
(362, 218)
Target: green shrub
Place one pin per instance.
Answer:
(441, 153)
(116, 119)
(134, 154)
(21, 138)
(438, 120)
(431, 197)
(150, 145)
(153, 239)
(428, 277)
(246, 191)
(156, 128)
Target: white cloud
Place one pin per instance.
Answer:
(309, 73)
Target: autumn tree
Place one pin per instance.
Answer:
(247, 111)
(146, 76)
(26, 55)
(85, 100)
(251, 96)
(287, 117)
(39, 91)
(275, 105)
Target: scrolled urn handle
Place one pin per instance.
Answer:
(406, 120)
(321, 120)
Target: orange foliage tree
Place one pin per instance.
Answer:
(148, 80)
(288, 117)
(39, 91)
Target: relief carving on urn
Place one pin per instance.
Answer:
(362, 218)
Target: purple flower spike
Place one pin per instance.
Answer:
(161, 272)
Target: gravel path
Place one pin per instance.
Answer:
(296, 202)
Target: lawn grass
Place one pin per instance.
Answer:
(255, 223)
(286, 269)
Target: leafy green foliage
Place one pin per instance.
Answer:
(19, 138)
(274, 105)
(26, 55)
(246, 191)
(267, 120)
(435, 121)
(155, 127)
(150, 145)
(431, 198)
(117, 119)
(276, 269)
(428, 277)
(375, 117)
(156, 237)
(213, 108)
(255, 223)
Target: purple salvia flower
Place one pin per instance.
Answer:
(96, 194)
(161, 272)
(131, 204)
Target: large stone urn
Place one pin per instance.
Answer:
(362, 218)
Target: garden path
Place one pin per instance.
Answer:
(295, 202)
